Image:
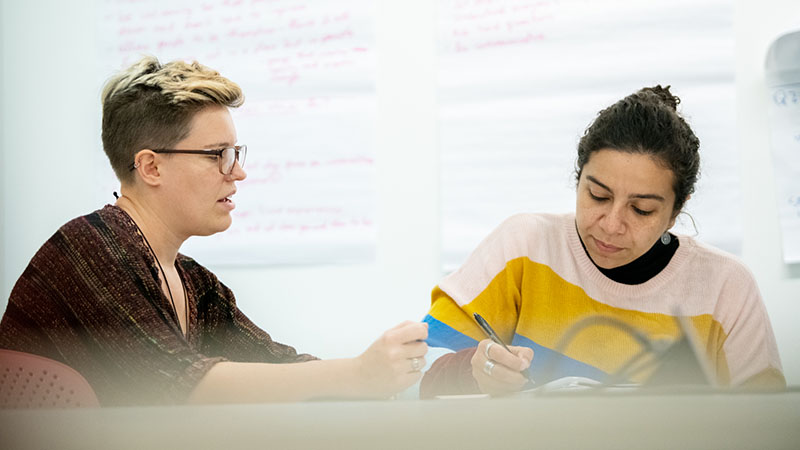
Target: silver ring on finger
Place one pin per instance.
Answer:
(488, 366)
(416, 364)
(486, 350)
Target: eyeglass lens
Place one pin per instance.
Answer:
(229, 157)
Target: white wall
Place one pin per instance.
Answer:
(757, 24)
(51, 127)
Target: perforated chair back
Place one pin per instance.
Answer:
(32, 381)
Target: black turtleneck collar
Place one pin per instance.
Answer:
(644, 267)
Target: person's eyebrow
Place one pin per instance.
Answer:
(597, 182)
(218, 145)
(644, 196)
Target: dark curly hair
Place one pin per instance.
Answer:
(647, 122)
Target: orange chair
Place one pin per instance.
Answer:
(32, 381)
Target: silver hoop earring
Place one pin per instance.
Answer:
(666, 238)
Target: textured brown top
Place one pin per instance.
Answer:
(91, 299)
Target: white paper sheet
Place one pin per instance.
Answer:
(306, 70)
(521, 79)
(784, 115)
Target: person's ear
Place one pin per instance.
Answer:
(146, 165)
(675, 214)
(671, 223)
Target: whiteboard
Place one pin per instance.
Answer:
(520, 80)
(306, 69)
(782, 70)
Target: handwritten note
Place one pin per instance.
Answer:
(306, 70)
(520, 80)
(784, 115)
(480, 25)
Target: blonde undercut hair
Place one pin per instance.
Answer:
(150, 105)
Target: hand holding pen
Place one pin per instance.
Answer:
(498, 368)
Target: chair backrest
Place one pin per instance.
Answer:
(32, 381)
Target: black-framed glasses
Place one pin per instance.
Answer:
(227, 156)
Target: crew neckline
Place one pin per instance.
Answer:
(643, 268)
(679, 259)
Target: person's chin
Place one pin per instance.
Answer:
(222, 225)
(607, 262)
(218, 227)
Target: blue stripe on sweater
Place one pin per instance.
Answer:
(550, 365)
(442, 335)
(547, 364)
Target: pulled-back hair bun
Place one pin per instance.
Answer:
(661, 95)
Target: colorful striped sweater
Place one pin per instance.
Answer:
(91, 298)
(532, 280)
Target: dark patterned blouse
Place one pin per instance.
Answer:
(91, 298)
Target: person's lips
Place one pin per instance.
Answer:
(227, 200)
(605, 247)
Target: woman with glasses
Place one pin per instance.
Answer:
(597, 293)
(110, 295)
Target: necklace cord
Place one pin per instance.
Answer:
(169, 291)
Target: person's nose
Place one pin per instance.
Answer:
(613, 221)
(238, 173)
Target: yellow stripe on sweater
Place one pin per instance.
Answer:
(549, 305)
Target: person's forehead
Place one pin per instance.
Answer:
(212, 128)
(637, 174)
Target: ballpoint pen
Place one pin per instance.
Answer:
(496, 339)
